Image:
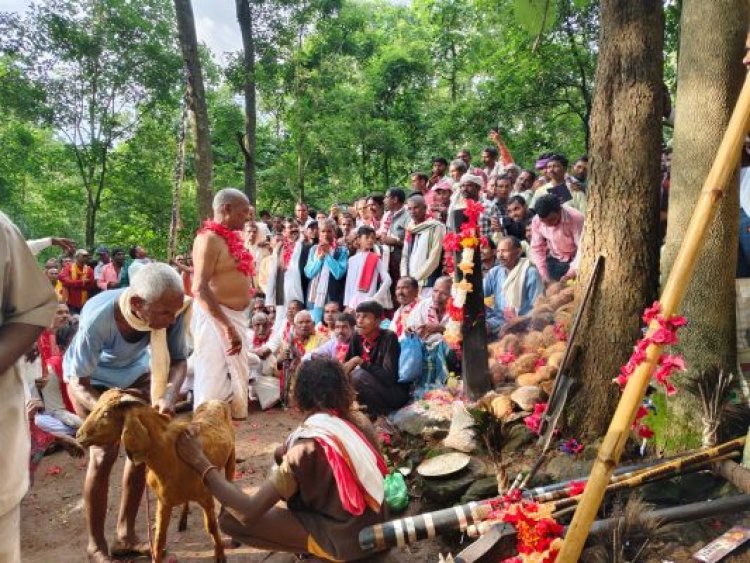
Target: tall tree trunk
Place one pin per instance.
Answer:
(245, 19)
(709, 78)
(197, 105)
(175, 223)
(623, 212)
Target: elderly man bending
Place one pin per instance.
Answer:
(110, 350)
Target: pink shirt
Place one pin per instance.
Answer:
(109, 274)
(561, 240)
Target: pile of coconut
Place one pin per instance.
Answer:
(526, 359)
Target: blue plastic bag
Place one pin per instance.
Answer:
(411, 359)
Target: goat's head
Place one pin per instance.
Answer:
(104, 425)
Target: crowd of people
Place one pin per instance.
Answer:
(267, 298)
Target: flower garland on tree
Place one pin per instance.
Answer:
(667, 364)
(235, 245)
(467, 240)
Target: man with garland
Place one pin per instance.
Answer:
(221, 284)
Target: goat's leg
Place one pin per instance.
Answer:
(163, 515)
(230, 466)
(212, 527)
(182, 526)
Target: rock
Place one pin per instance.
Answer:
(449, 490)
(518, 437)
(420, 416)
(481, 489)
(564, 467)
(526, 397)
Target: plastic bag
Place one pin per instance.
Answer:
(396, 493)
(411, 358)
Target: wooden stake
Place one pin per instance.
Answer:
(725, 164)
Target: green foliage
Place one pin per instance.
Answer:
(353, 95)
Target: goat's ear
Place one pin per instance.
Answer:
(136, 440)
(131, 399)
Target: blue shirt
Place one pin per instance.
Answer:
(533, 287)
(100, 352)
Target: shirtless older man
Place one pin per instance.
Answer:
(221, 283)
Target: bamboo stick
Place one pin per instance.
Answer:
(713, 190)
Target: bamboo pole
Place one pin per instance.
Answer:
(713, 190)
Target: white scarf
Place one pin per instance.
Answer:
(338, 434)
(514, 282)
(159, 349)
(420, 245)
(319, 284)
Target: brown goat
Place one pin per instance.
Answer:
(150, 437)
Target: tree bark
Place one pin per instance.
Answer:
(245, 19)
(622, 220)
(175, 223)
(196, 96)
(709, 78)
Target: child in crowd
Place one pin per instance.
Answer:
(367, 277)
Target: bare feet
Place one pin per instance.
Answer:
(99, 556)
(130, 547)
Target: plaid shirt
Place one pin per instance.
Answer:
(492, 209)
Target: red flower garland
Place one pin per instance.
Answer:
(235, 245)
(664, 335)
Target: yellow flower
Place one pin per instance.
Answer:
(467, 268)
(465, 285)
(470, 242)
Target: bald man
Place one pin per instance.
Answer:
(221, 284)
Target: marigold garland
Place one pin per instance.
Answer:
(538, 534)
(467, 240)
(235, 245)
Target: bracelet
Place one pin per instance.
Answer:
(205, 472)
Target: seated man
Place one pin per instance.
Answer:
(330, 475)
(407, 296)
(512, 287)
(325, 327)
(428, 320)
(110, 350)
(262, 361)
(373, 358)
(301, 340)
(555, 237)
(337, 347)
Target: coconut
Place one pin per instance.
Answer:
(544, 308)
(547, 386)
(541, 301)
(501, 406)
(554, 349)
(569, 308)
(538, 321)
(519, 325)
(549, 336)
(560, 300)
(554, 289)
(510, 343)
(564, 320)
(526, 397)
(498, 372)
(523, 364)
(555, 360)
(529, 379)
(546, 372)
(533, 341)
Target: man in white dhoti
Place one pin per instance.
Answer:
(221, 283)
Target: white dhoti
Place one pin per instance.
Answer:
(217, 375)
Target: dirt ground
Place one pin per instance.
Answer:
(52, 517)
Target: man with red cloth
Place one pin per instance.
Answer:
(367, 276)
(78, 279)
(375, 353)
